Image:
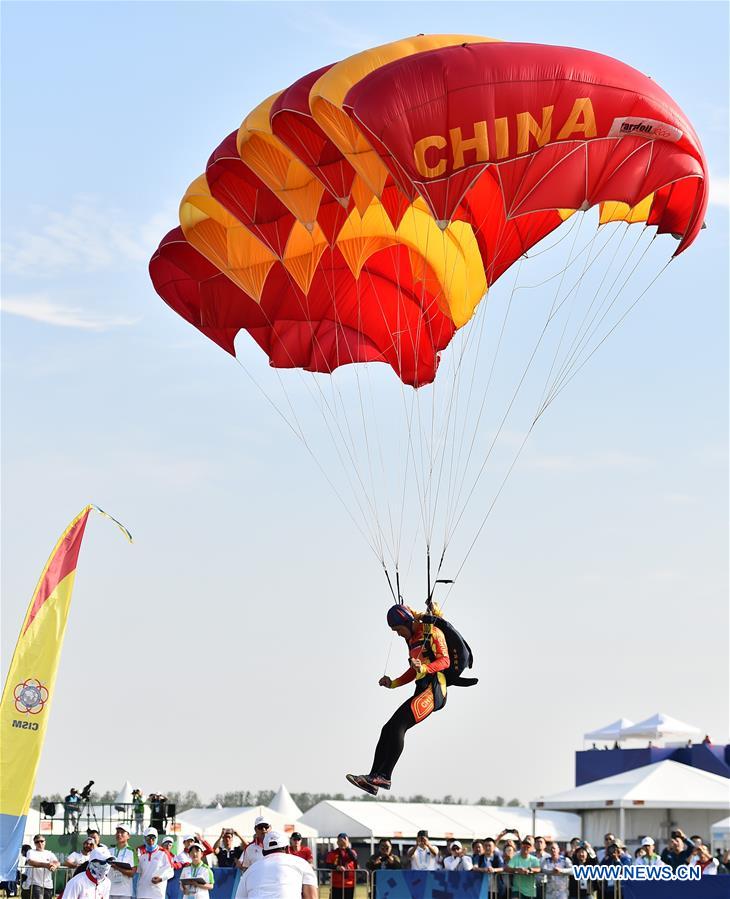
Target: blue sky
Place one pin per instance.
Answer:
(599, 588)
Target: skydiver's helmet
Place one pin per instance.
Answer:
(400, 616)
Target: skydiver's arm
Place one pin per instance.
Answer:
(405, 678)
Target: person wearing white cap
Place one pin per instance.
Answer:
(123, 863)
(196, 879)
(154, 868)
(255, 850)
(93, 883)
(647, 855)
(278, 875)
(183, 857)
(79, 858)
(456, 860)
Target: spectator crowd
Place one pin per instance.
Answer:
(523, 867)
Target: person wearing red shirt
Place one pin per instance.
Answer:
(296, 848)
(343, 862)
(428, 658)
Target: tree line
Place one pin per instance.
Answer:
(241, 798)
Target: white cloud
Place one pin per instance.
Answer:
(680, 499)
(720, 190)
(85, 238)
(40, 308)
(610, 459)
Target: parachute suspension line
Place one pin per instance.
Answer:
(373, 540)
(488, 513)
(581, 340)
(511, 403)
(574, 292)
(456, 482)
(597, 293)
(390, 584)
(569, 375)
(549, 386)
(300, 436)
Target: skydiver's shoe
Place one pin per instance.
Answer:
(363, 782)
(379, 781)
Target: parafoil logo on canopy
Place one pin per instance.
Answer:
(645, 127)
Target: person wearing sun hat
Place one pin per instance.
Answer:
(278, 873)
(93, 883)
(123, 861)
(154, 868)
(196, 879)
(254, 852)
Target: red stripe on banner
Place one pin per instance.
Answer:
(60, 565)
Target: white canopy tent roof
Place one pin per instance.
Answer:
(667, 785)
(658, 727)
(284, 804)
(403, 820)
(124, 796)
(610, 731)
(210, 821)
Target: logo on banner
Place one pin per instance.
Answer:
(30, 696)
(645, 127)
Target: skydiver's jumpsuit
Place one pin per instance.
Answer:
(428, 645)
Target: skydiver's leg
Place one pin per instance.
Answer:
(392, 737)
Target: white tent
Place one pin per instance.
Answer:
(402, 820)
(124, 796)
(210, 821)
(650, 800)
(659, 727)
(610, 731)
(720, 834)
(284, 804)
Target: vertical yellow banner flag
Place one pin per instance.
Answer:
(29, 690)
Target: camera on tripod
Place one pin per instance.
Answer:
(86, 792)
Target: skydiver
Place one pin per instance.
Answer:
(428, 658)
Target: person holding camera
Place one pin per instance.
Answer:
(225, 852)
(383, 860)
(138, 811)
(678, 850)
(423, 856)
(457, 860)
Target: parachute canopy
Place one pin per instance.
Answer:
(362, 213)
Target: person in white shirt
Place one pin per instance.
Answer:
(255, 850)
(557, 864)
(456, 860)
(647, 856)
(154, 868)
(42, 864)
(93, 883)
(78, 858)
(123, 865)
(423, 856)
(196, 879)
(278, 875)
